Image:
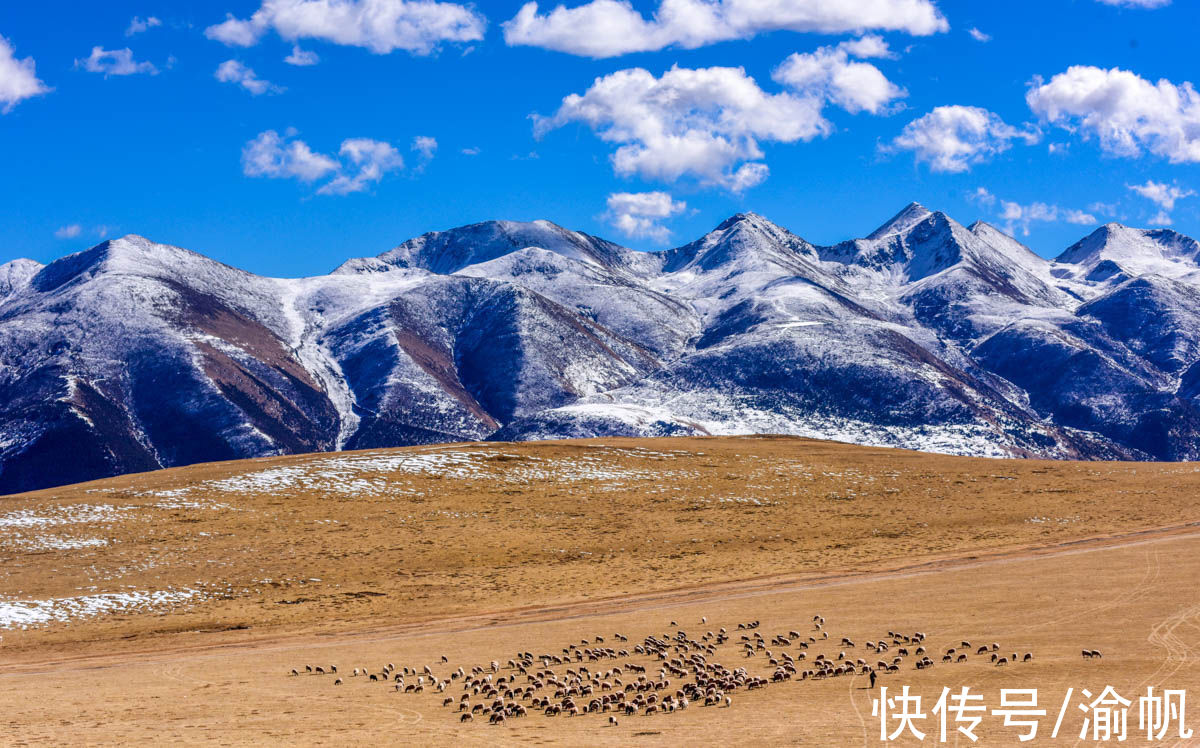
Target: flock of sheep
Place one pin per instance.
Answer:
(597, 675)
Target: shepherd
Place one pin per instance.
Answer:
(872, 679)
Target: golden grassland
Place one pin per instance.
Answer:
(478, 551)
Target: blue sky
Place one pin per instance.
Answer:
(1041, 117)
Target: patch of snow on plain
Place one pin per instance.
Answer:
(26, 614)
(64, 515)
(368, 474)
(52, 543)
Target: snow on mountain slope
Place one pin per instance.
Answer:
(902, 222)
(661, 323)
(749, 274)
(453, 357)
(1114, 248)
(1081, 387)
(15, 276)
(861, 380)
(311, 306)
(1157, 318)
(449, 251)
(140, 355)
(918, 244)
(133, 355)
(788, 347)
(148, 356)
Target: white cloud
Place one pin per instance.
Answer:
(982, 196)
(639, 215)
(360, 163)
(69, 232)
(1021, 216)
(18, 78)
(1125, 112)
(829, 73)
(301, 57)
(425, 145)
(953, 138)
(607, 28)
(472, 151)
(1137, 3)
(1161, 194)
(270, 155)
(1161, 218)
(382, 26)
(702, 123)
(707, 123)
(232, 71)
(114, 62)
(978, 35)
(138, 25)
(235, 32)
(373, 158)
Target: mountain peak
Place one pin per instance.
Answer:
(132, 255)
(736, 218)
(1007, 244)
(454, 249)
(910, 216)
(16, 274)
(739, 239)
(1138, 251)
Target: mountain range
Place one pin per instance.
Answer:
(927, 334)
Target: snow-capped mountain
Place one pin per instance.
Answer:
(926, 334)
(1116, 252)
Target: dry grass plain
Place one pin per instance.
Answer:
(169, 607)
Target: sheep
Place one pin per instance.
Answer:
(337, 682)
(1028, 657)
(728, 701)
(1001, 661)
(612, 720)
(295, 671)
